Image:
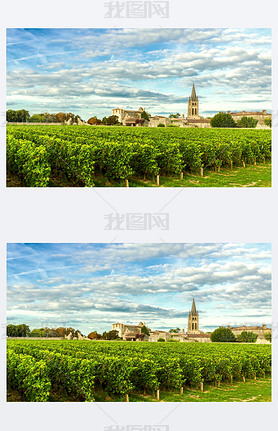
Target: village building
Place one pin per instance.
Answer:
(258, 330)
(193, 334)
(260, 116)
(194, 119)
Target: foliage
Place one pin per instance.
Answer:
(161, 340)
(18, 330)
(174, 115)
(268, 122)
(222, 120)
(247, 122)
(111, 335)
(247, 337)
(222, 335)
(94, 121)
(94, 336)
(145, 330)
(82, 154)
(174, 330)
(79, 368)
(161, 125)
(110, 121)
(145, 116)
(268, 337)
(20, 116)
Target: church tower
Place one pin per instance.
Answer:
(193, 320)
(193, 105)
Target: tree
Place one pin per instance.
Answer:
(37, 333)
(222, 120)
(247, 337)
(94, 336)
(111, 335)
(145, 330)
(94, 121)
(161, 125)
(177, 115)
(37, 118)
(11, 116)
(161, 340)
(145, 116)
(19, 116)
(268, 337)
(247, 122)
(268, 122)
(174, 331)
(110, 121)
(222, 335)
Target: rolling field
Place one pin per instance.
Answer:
(117, 371)
(84, 156)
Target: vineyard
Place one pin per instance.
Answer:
(83, 369)
(82, 156)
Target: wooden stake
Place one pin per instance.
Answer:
(202, 172)
(243, 163)
(218, 384)
(157, 394)
(202, 386)
(255, 162)
(218, 169)
(231, 165)
(157, 180)
(231, 380)
(127, 398)
(264, 375)
(243, 378)
(181, 390)
(126, 183)
(181, 176)
(255, 377)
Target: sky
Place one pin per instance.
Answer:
(91, 286)
(91, 71)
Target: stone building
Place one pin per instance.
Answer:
(128, 117)
(259, 330)
(124, 329)
(260, 116)
(193, 320)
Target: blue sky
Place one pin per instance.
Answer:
(91, 71)
(91, 286)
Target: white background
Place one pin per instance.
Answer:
(77, 215)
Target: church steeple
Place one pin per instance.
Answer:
(193, 309)
(193, 320)
(193, 94)
(193, 105)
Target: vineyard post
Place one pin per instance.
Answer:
(243, 163)
(264, 375)
(255, 377)
(127, 398)
(202, 172)
(243, 378)
(126, 183)
(202, 386)
(218, 169)
(231, 380)
(181, 390)
(231, 165)
(157, 180)
(157, 394)
(181, 176)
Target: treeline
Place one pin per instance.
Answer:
(24, 331)
(225, 335)
(226, 120)
(23, 116)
